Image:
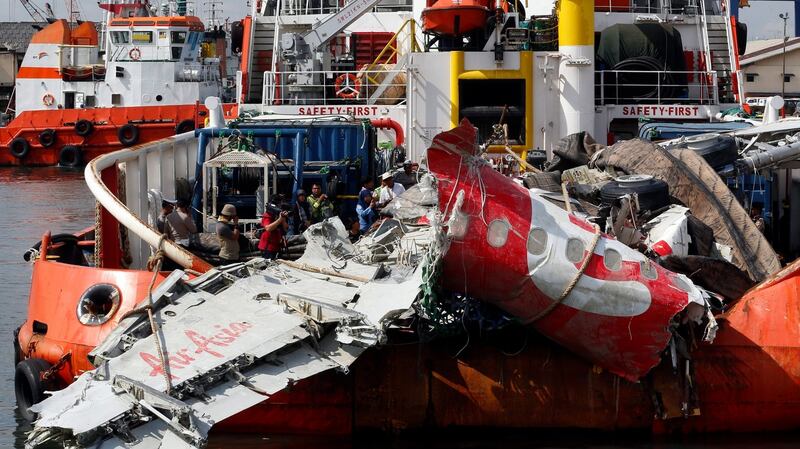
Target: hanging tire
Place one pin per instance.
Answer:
(83, 127)
(29, 387)
(128, 135)
(47, 138)
(653, 193)
(70, 156)
(19, 147)
(185, 126)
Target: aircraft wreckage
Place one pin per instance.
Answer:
(197, 351)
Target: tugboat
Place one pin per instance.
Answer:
(78, 96)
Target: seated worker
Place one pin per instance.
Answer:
(390, 190)
(321, 207)
(406, 177)
(301, 214)
(166, 209)
(179, 224)
(275, 223)
(366, 206)
(228, 233)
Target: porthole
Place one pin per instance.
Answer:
(497, 234)
(537, 241)
(612, 259)
(575, 250)
(648, 270)
(98, 304)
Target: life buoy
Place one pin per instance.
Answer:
(29, 385)
(19, 147)
(135, 54)
(83, 127)
(185, 126)
(70, 156)
(47, 138)
(48, 99)
(347, 86)
(128, 134)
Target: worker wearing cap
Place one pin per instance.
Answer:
(228, 233)
(406, 177)
(390, 190)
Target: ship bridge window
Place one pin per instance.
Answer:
(142, 37)
(179, 37)
(487, 102)
(121, 37)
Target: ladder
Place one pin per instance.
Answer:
(377, 74)
(719, 56)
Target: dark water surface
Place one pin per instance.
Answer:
(35, 201)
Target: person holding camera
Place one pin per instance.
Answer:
(275, 223)
(228, 233)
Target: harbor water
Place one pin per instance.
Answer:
(33, 201)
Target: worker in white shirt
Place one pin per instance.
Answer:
(390, 190)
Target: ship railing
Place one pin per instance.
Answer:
(138, 171)
(656, 87)
(308, 7)
(381, 86)
(684, 7)
(197, 73)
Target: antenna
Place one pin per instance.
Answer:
(213, 8)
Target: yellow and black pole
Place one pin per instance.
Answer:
(576, 45)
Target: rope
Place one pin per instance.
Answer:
(157, 260)
(574, 281)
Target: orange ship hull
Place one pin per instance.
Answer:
(748, 380)
(106, 132)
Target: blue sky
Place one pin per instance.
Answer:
(761, 17)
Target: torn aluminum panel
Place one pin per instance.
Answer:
(231, 339)
(590, 293)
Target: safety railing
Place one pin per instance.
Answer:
(305, 7)
(382, 86)
(656, 87)
(686, 7)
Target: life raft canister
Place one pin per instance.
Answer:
(135, 54)
(347, 86)
(48, 99)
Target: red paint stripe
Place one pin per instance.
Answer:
(39, 72)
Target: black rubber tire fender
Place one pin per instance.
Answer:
(58, 238)
(84, 127)
(20, 147)
(70, 156)
(653, 194)
(29, 387)
(128, 134)
(184, 126)
(47, 138)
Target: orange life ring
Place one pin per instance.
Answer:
(135, 53)
(48, 99)
(347, 85)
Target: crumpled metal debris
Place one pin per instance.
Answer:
(232, 338)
